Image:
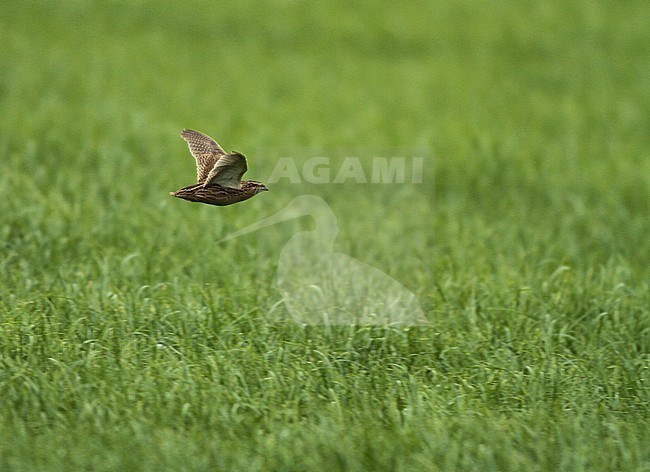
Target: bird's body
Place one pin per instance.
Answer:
(218, 173)
(218, 195)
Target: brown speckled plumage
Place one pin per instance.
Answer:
(218, 173)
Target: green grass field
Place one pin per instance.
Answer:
(130, 339)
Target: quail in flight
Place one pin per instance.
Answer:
(218, 173)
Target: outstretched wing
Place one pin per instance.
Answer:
(205, 150)
(228, 171)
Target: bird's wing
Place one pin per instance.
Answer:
(205, 150)
(227, 172)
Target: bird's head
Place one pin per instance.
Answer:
(256, 187)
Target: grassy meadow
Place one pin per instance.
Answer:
(131, 339)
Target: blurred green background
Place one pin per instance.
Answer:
(130, 340)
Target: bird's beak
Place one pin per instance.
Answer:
(275, 219)
(285, 214)
(305, 205)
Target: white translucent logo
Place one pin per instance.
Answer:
(323, 170)
(320, 286)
